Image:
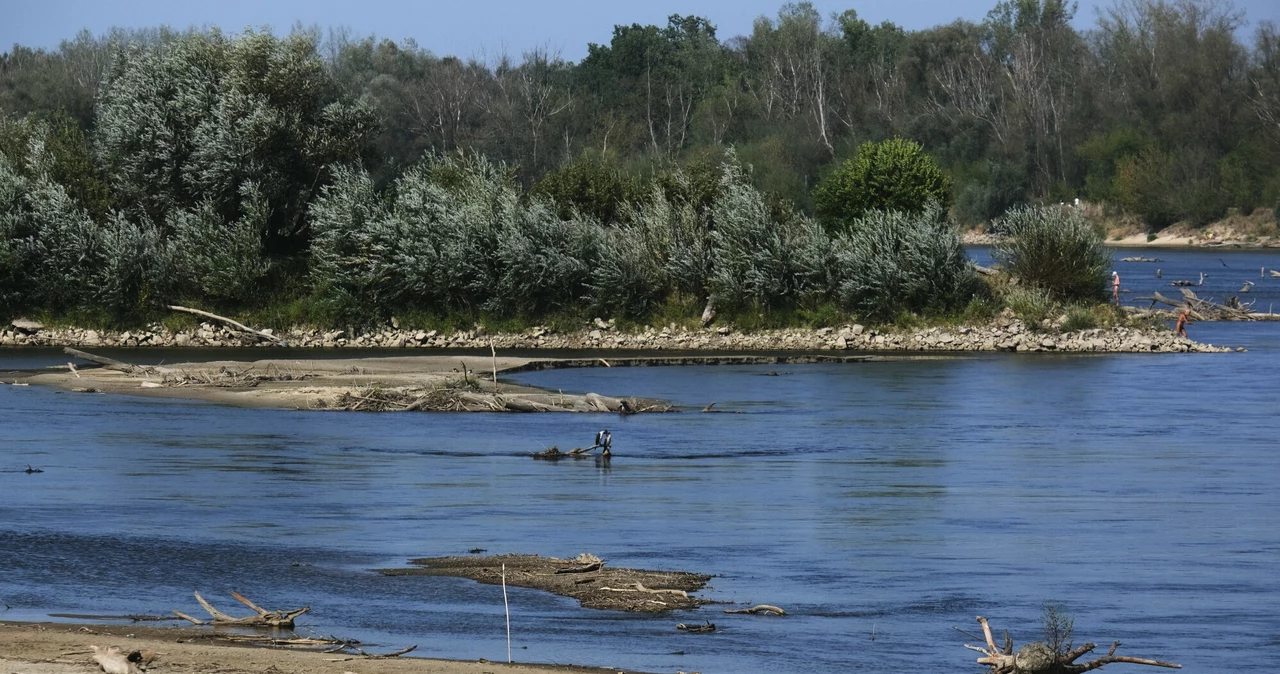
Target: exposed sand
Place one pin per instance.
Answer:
(598, 586)
(58, 648)
(363, 384)
(379, 384)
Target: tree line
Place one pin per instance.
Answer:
(228, 167)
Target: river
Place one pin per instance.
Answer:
(879, 503)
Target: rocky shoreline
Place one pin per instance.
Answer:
(1005, 333)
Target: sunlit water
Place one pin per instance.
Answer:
(880, 503)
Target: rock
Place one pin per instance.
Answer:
(723, 330)
(27, 325)
(842, 343)
(857, 329)
(1048, 343)
(601, 324)
(595, 334)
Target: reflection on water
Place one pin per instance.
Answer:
(900, 498)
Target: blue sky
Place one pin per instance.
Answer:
(472, 27)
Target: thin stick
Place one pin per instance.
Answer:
(506, 606)
(494, 354)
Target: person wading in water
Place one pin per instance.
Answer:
(1115, 286)
(1184, 317)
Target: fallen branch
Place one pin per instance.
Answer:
(759, 608)
(638, 587)
(108, 363)
(1038, 658)
(582, 569)
(235, 324)
(263, 617)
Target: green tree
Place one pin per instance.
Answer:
(893, 175)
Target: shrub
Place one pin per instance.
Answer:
(629, 279)
(1030, 303)
(545, 262)
(894, 261)
(1079, 318)
(1054, 249)
(592, 184)
(676, 227)
(221, 260)
(893, 175)
(753, 259)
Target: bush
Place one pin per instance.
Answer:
(753, 256)
(895, 261)
(221, 260)
(1079, 318)
(894, 175)
(675, 223)
(629, 280)
(1054, 249)
(592, 184)
(1032, 304)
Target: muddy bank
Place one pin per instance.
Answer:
(586, 578)
(1001, 334)
(59, 648)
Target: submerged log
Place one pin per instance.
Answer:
(263, 617)
(697, 629)
(758, 608)
(1039, 658)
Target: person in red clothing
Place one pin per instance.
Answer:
(1115, 286)
(1184, 317)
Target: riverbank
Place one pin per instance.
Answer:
(1257, 230)
(1004, 333)
(61, 648)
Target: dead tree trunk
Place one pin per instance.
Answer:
(1039, 658)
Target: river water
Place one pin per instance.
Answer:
(880, 503)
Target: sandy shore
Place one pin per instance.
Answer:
(404, 383)
(59, 648)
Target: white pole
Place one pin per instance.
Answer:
(506, 606)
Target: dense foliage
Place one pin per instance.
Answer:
(1056, 250)
(667, 165)
(894, 175)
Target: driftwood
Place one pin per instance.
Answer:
(108, 363)
(709, 312)
(758, 608)
(113, 660)
(697, 629)
(1204, 310)
(588, 568)
(985, 271)
(1189, 283)
(1275, 273)
(1139, 259)
(235, 324)
(638, 587)
(1039, 658)
(263, 617)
